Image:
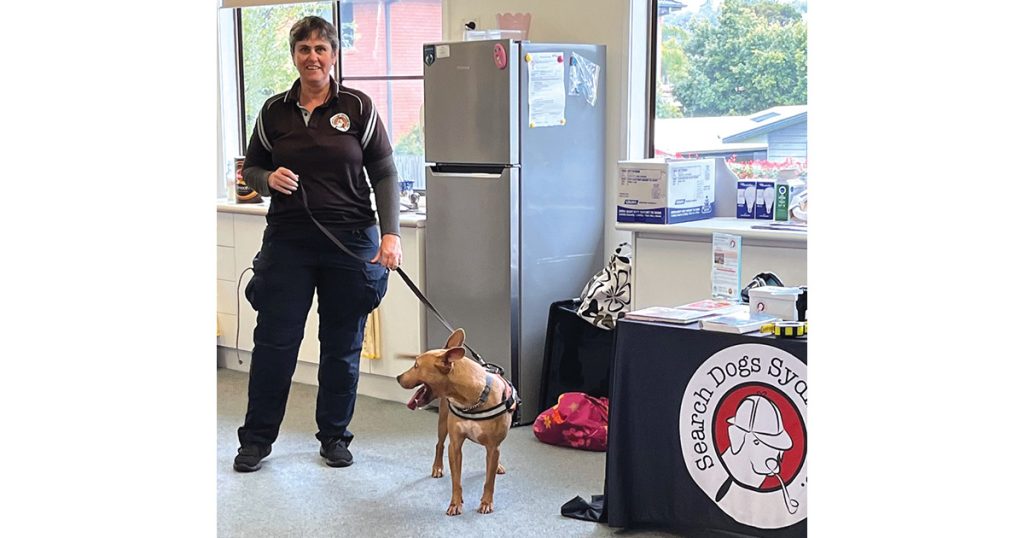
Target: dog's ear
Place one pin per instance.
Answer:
(736, 439)
(453, 354)
(456, 339)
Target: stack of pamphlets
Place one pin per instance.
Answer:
(739, 321)
(687, 313)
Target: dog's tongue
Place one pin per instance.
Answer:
(417, 399)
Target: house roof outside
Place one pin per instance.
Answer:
(699, 135)
(723, 133)
(669, 6)
(768, 120)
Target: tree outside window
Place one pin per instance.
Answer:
(726, 59)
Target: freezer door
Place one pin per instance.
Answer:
(471, 104)
(472, 243)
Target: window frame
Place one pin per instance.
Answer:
(652, 76)
(339, 72)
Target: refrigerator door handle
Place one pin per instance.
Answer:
(468, 175)
(478, 172)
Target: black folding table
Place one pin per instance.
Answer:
(707, 433)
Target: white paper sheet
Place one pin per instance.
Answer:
(547, 89)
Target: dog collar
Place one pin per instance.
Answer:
(507, 405)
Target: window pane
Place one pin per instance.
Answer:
(388, 36)
(266, 59)
(399, 104)
(731, 79)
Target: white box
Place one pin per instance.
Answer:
(775, 300)
(660, 191)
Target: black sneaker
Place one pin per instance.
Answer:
(336, 452)
(248, 458)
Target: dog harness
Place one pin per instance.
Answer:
(508, 404)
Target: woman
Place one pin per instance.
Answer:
(320, 135)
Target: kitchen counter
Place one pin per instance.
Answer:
(705, 228)
(407, 219)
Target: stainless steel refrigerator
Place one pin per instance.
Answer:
(515, 193)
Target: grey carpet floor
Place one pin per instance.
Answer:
(388, 491)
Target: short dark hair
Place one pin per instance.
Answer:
(307, 27)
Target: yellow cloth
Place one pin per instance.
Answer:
(371, 336)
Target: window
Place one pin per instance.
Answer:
(386, 63)
(266, 57)
(729, 79)
(381, 55)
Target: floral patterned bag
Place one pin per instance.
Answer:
(578, 420)
(606, 297)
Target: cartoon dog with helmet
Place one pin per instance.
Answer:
(757, 442)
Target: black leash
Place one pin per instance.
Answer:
(416, 291)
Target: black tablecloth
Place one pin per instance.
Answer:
(577, 355)
(692, 407)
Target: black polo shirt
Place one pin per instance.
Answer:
(328, 154)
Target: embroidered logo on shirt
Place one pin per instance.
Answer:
(341, 122)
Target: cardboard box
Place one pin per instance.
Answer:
(746, 198)
(764, 205)
(785, 190)
(659, 191)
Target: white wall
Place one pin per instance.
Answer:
(606, 22)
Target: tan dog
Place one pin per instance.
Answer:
(485, 402)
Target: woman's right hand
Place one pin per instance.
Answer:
(283, 180)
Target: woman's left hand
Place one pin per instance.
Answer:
(390, 252)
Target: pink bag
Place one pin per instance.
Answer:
(578, 420)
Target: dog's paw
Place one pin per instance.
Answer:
(485, 507)
(501, 469)
(437, 472)
(454, 509)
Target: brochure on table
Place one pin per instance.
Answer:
(683, 314)
(726, 250)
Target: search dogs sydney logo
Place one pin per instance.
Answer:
(743, 431)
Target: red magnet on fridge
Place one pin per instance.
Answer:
(559, 58)
(500, 56)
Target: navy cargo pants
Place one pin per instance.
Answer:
(289, 267)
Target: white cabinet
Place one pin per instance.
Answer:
(672, 263)
(248, 233)
(402, 323)
(226, 315)
(401, 313)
